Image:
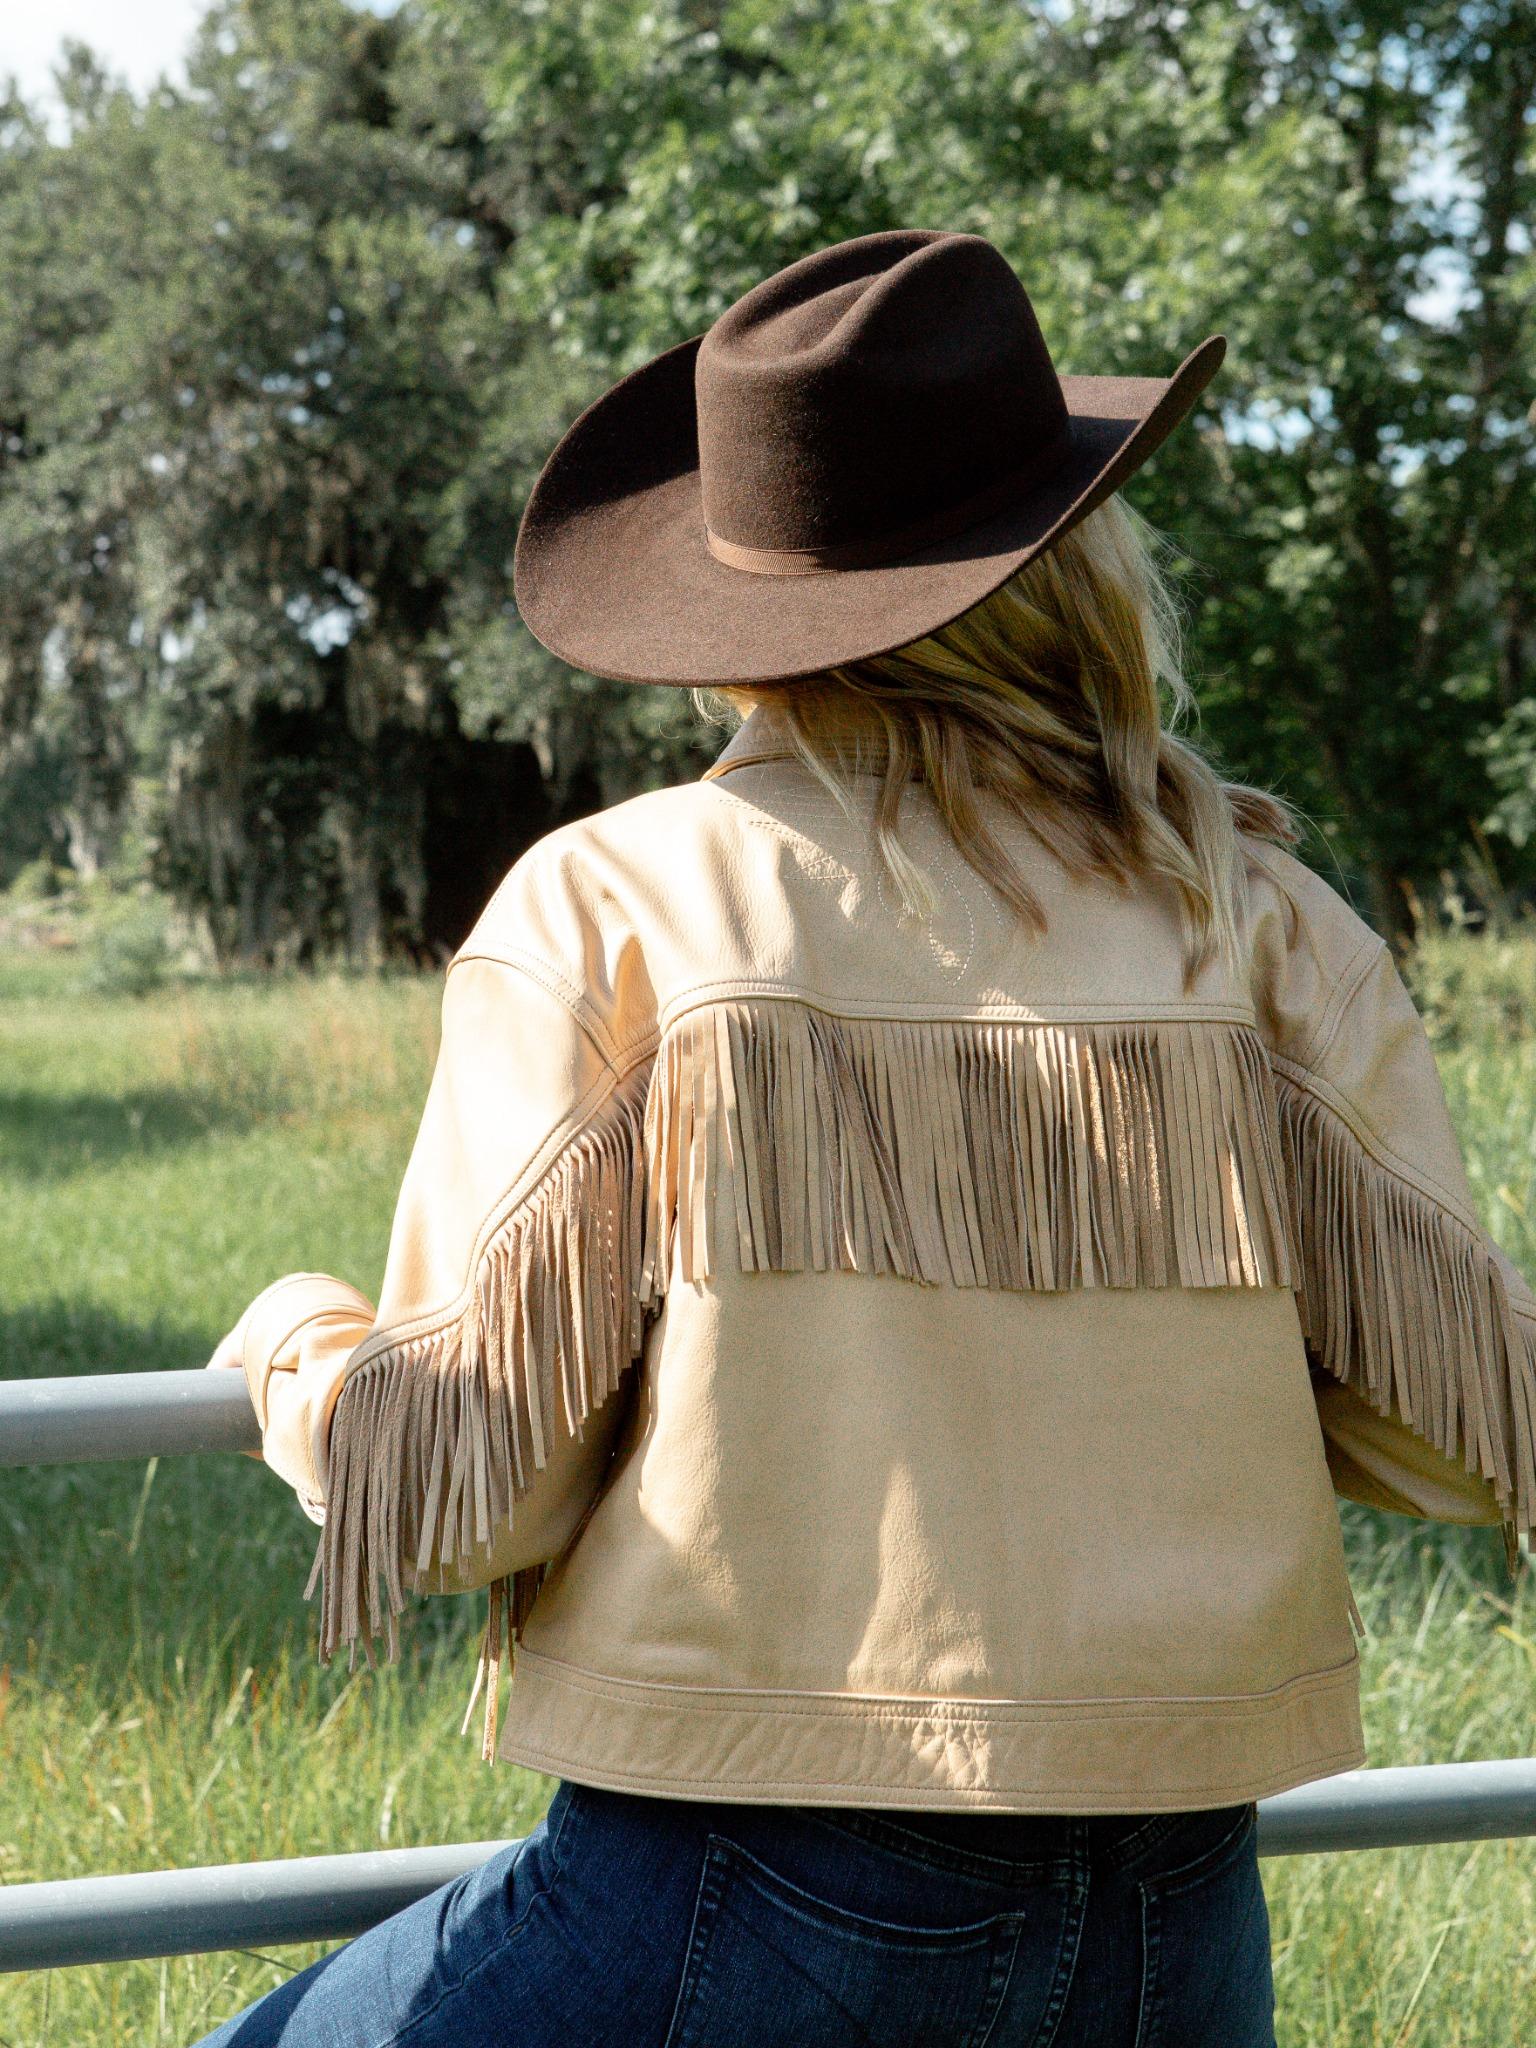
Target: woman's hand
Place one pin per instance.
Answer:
(230, 1352)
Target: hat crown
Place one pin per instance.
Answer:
(876, 388)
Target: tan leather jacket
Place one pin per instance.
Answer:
(899, 1363)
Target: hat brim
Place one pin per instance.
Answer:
(612, 572)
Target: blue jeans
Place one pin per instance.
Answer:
(666, 1923)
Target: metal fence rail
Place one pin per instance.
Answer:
(224, 1906)
(327, 1898)
(124, 1415)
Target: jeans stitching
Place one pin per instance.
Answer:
(1170, 1883)
(1238, 1942)
(928, 1852)
(749, 1868)
(1129, 1846)
(706, 1900)
(718, 1871)
(1147, 2015)
(1001, 1995)
(452, 1990)
(1066, 1961)
(1153, 1891)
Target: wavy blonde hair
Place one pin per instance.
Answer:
(1059, 694)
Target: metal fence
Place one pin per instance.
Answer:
(325, 1898)
(124, 1415)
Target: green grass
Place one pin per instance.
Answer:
(160, 1704)
(160, 1700)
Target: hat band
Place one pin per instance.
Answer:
(888, 547)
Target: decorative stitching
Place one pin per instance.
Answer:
(1087, 1798)
(1370, 1139)
(874, 1009)
(553, 983)
(989, 1711)
(1347, 987)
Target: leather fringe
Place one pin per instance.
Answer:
(983, 1154)
(435, 1439)
(510, 1601)
(1401, 1301)
(1005, 1154)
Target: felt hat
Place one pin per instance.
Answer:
(861, 448)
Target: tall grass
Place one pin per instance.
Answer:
(163, 1157)
(160, 1702)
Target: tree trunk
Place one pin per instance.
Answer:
(357, 840)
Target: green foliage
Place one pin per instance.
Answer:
(40, 881)
(34, 793)
(281, 352)
(1510, 753)
(1477, 993)
(132, 954)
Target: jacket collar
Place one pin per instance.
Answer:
(759, 737)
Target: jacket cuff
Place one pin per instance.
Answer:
(297, 1336)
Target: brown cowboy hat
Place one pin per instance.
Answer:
(860, 449)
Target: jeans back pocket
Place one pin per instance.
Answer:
(1207, 1980)
(770, 1963)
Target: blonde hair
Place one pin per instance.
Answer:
(1058, 694)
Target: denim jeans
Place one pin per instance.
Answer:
(661, 1923)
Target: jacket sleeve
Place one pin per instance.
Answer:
(456, 1436)
(1421, 1331)
(1379, 1461)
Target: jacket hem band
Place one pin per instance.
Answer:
(767, 1747)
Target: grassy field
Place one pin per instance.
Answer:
(161, 1158)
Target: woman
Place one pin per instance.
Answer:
(903, 1233)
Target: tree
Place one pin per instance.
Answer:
(282, 352)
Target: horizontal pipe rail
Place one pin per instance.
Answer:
(222, 1906)
(328, 1898)
(1404, 1806)
(124, 1415)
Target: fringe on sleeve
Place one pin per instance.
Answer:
(1404, 1302)
(434, 1440)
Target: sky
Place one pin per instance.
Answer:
(139, 39)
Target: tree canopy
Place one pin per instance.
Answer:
(282, 348)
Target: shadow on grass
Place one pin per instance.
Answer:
(49, 1137)
(107, 1565)
(121, 1569)
(57, 1339)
